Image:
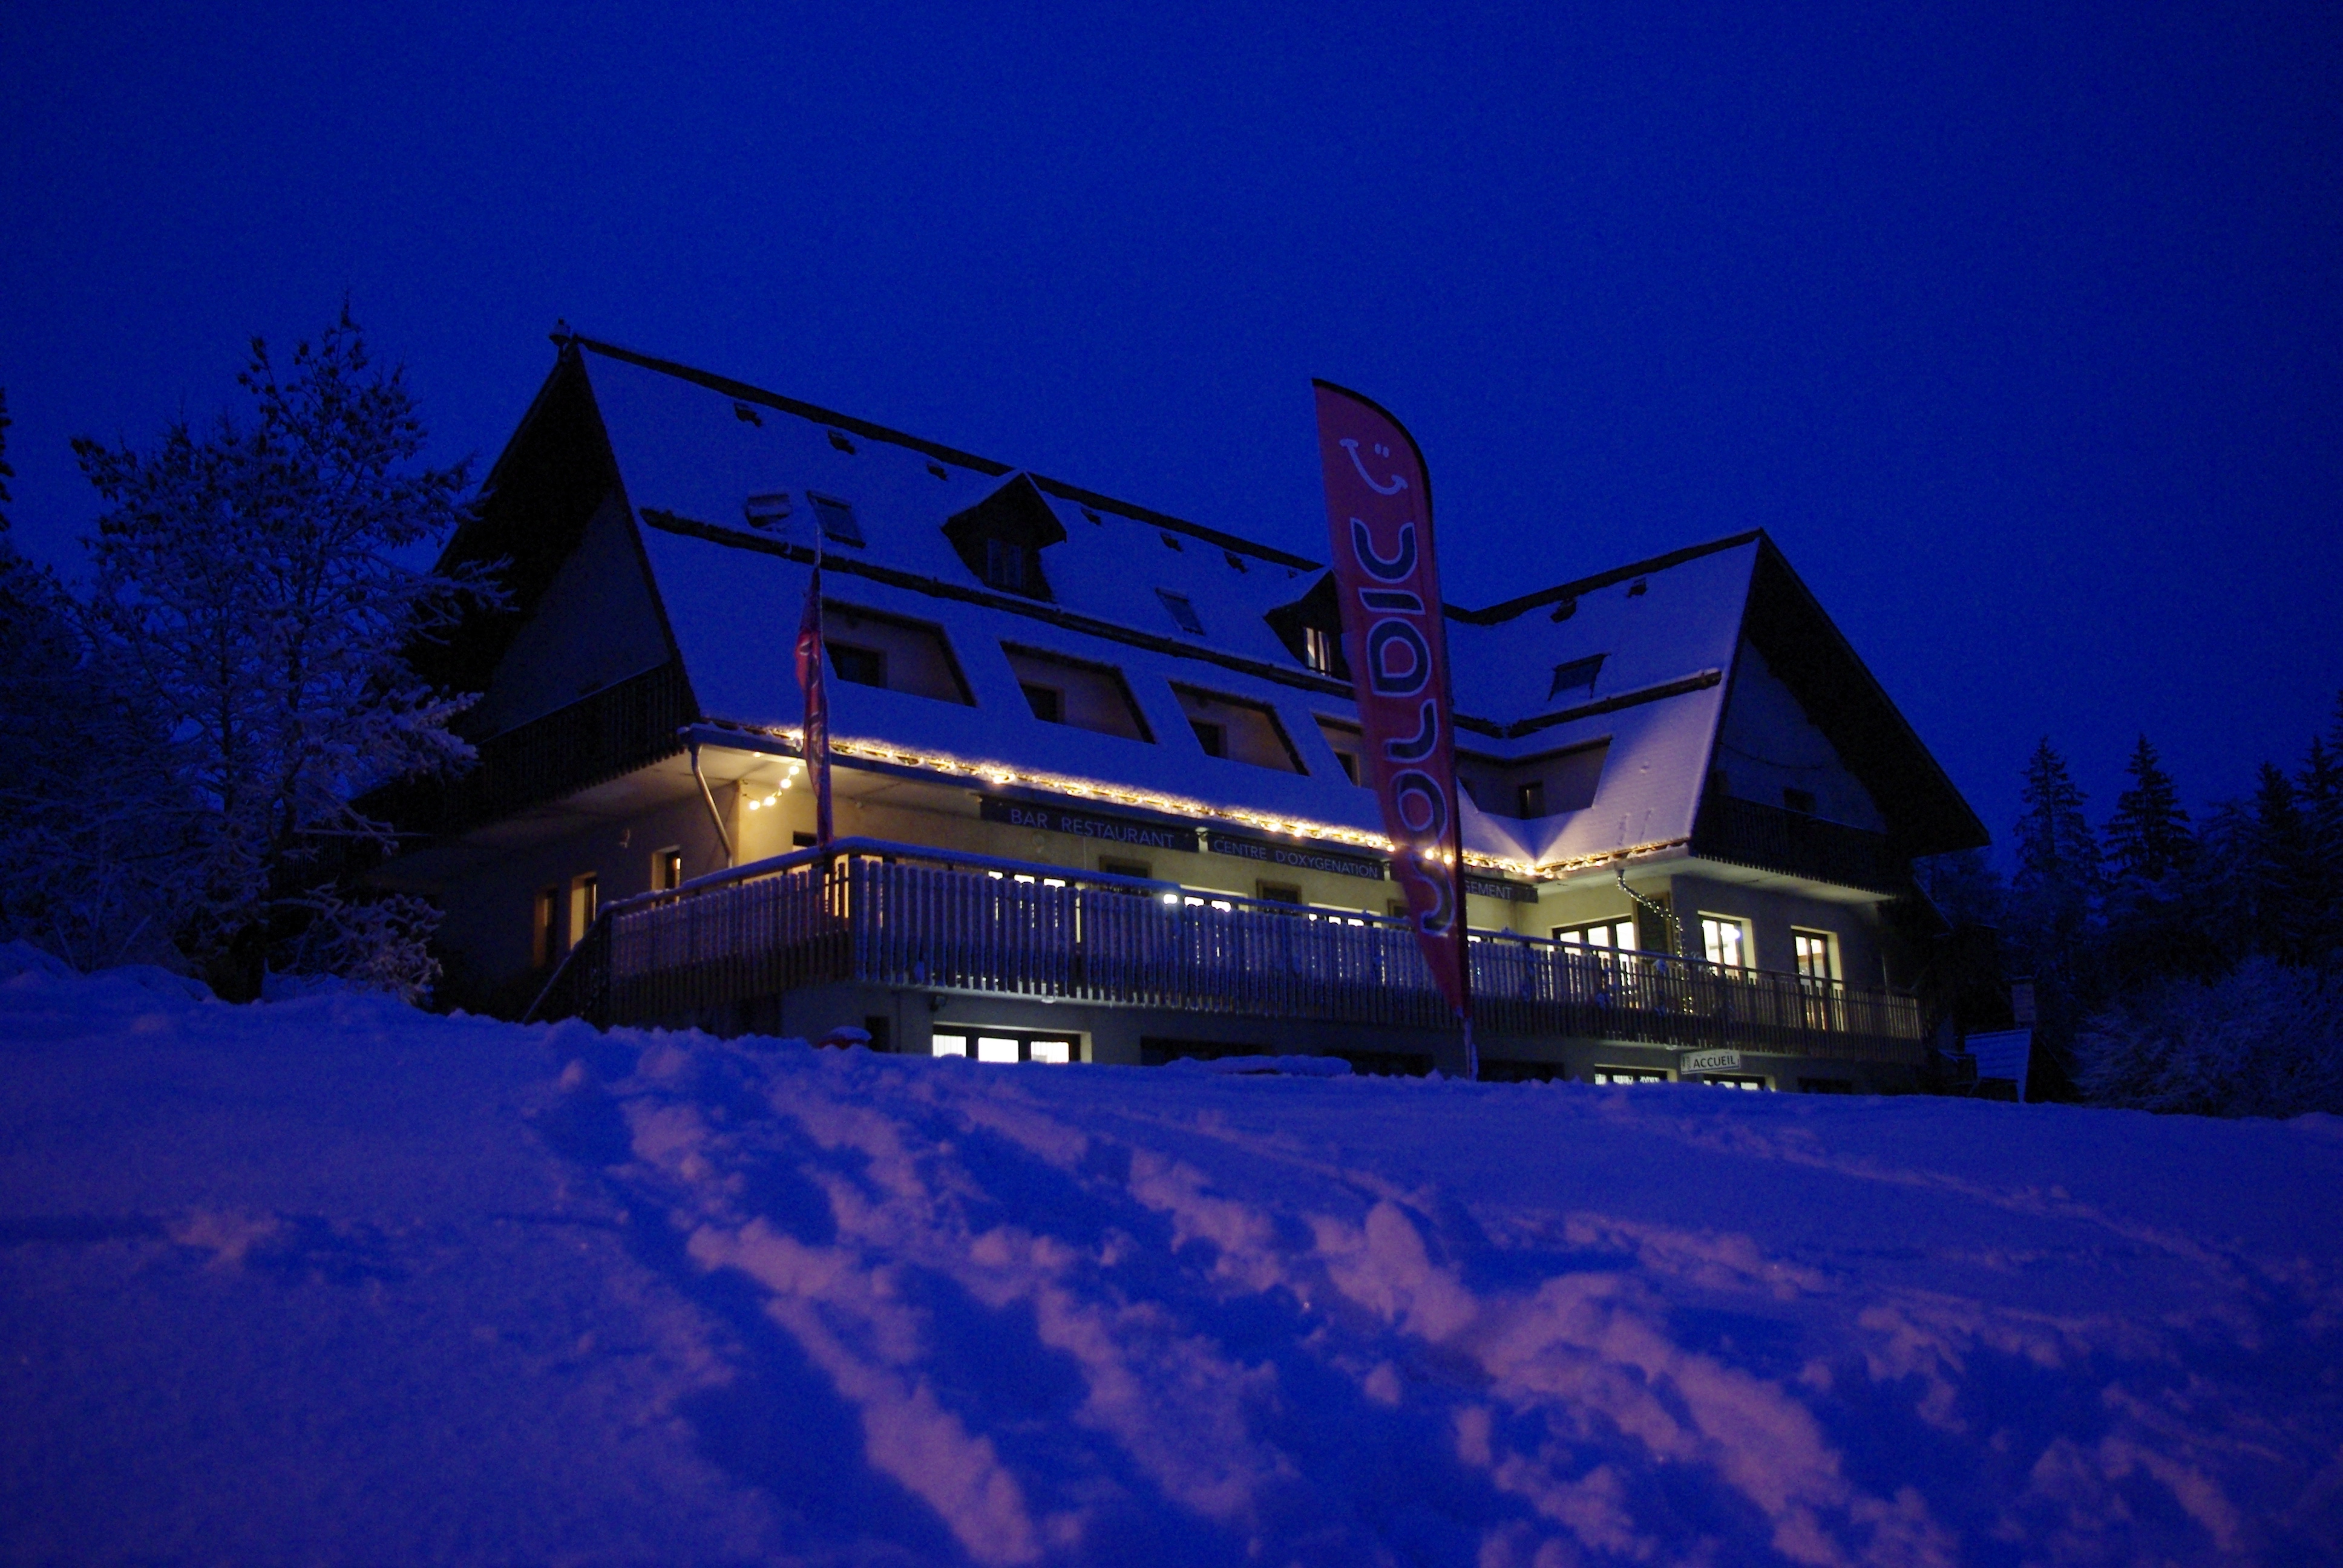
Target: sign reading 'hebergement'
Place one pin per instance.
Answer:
(1301, 856)
(1087, 824)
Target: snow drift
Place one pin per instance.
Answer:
(332, 1280)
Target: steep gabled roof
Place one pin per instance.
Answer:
(687, 451)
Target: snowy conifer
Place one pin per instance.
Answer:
(85, 859)
(249, 581)
(2054, 902)
(2148, 837)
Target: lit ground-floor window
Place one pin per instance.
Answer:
(1732, 1081)
(1004, 1045)
(1630, 1075)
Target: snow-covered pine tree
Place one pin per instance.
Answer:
(249, 577)
(2284, 873)
(2319, 787)
(2053, 905)
(2149, 836)
(84, 861)
(2155, 924)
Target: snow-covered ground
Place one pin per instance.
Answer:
(329, 1279)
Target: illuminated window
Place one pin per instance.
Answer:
(667, 869)
(1817, 952)
(1733, 1081)
(1725, 942)
(1630, 1075)
(1005, 1046)
(1318, 648)
(585, 899)
(1616, 935)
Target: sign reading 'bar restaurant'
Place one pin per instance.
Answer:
(1133, 831)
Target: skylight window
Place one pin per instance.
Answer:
(1235, 561)
(766, 512)
(838, 439)
(1576, 678)
(1182, 611)
(746, 414)
(938, 469)
(838, 524)
(1169, 538)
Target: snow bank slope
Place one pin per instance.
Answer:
(327, 1280)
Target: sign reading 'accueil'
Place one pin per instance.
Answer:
(1378, 521)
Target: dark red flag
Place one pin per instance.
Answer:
(1379, 516)
(815, 744)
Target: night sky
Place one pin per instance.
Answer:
(2019, 327)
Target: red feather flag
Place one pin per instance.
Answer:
(815, 746)
(1379, 517)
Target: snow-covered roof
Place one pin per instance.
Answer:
(692, 450)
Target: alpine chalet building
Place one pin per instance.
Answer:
(1094, 773)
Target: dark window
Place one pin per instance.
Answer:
(1350, 765)
(1233, 559)
(1008, 566)
(1182, 611)
(765, 513)
(1046, 702)
(667, 870)
(1529, 799)
(838, 439)
(1565, 608)
(1212, 737)
(1278, 892)
(801, 840)
(1575, 679)
(544, 927)
(879, 1026)
(1802, 801)
(838, 524)
(1169, 539)
(938, 469)
(1637, 589)
(1114, 868)
(862, 666)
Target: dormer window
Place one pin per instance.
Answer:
(1311, 627)
(1002, 537)
(1318, 649)
(1009, 566)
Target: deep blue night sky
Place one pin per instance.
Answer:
(2021, 327)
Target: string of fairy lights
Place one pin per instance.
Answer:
(1000, 775)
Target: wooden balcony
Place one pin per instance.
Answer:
(1748, 833)
(899, 916)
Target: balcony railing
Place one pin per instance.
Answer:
(896, 915)
(592, 740)
(1748, 834)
